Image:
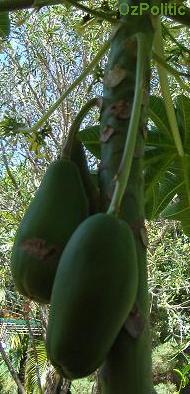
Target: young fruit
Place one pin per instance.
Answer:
(94, 290)
(58, 207)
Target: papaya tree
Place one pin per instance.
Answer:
(142, 142)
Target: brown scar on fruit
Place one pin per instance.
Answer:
(121, 109)
(115, 76)
(135, 323)
(107, 132)
(37, 248)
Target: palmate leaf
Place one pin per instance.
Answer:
(159, 156)
(160, 195)
(157, 114)
(167, 184)
(167, 175)
(183, 117)
(31, 379)
(167, 191)
(179, 209)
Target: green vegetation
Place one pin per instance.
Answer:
(96, 105)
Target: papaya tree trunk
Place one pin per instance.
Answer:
(127, 369)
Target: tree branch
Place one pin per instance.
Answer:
(9, 172)
(10, 5)
(11, 370)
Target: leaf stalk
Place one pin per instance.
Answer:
(126, 161)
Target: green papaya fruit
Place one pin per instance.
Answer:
(94, 290)
(92, 191)
(56, 210)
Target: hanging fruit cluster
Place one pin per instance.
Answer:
(58, 207)
(80, 260)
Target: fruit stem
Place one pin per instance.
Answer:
(67, 146)
(158, 45)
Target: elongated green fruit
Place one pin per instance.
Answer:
(58, 207)
(94, 290)
(92, 192)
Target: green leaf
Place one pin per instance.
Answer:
(160, 195)
(4, 24)
(31, 379)
(167, 176)
(160, 153)
(151, 202)
(9, 126)
(183, 117)
(157, 139)
(157, 114)
(179, 209)
(178, 372)
(90, 136)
